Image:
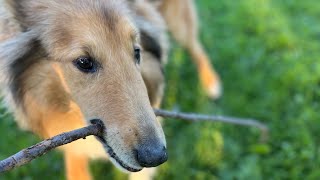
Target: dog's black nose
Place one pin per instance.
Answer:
(151, 155)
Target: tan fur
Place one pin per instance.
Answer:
(77, 166)
(153, 78)
(57, 97)
(8, 27)
(181, 19)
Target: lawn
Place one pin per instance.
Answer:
(267, 53)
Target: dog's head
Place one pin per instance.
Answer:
(94, 47)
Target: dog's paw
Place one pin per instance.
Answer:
(210, 81)
(214, 90)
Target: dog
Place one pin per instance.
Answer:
(64, 63)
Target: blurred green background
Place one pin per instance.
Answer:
(267, 53)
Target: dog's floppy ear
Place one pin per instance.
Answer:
(26, 12)
(17, 54)
(16, 7)
(16, 47)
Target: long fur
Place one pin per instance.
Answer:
(48, 95)
(30, 43)
(44, 88)
(10, 81)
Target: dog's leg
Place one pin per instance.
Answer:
(77, 167)
(56, 121)
(181, 18)
(152, 73)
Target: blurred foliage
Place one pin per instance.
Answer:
(267, 53)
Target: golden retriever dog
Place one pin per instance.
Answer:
(66, 62)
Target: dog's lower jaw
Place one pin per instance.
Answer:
(118, 162)
(115, 159)
(124, 168)
(113, 156)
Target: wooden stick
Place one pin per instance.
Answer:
(213, 118)
(200, 117)
(26, 155)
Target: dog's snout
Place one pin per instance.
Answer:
(151, 155)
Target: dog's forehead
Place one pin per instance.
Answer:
(94, 28)
(106, 24)
(112, 17)
(105, 37)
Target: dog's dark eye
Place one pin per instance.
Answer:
(137, 55)
(86, 64)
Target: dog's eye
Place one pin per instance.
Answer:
(85, 64)
(137, 55)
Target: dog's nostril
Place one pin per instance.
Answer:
(151, 156)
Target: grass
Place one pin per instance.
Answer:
(267, 53)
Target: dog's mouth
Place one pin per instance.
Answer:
(113, 155)
(111, 152)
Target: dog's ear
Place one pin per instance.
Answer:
(18, 11)
(26, 12)
(18, 53)
(16, 47)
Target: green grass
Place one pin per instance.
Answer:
(267, 53)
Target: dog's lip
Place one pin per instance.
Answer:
(110, 151)
(113, 155)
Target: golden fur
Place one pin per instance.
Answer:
(49, 95)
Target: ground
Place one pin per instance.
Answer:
(267, 53)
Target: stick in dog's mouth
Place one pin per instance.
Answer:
(109, 149)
